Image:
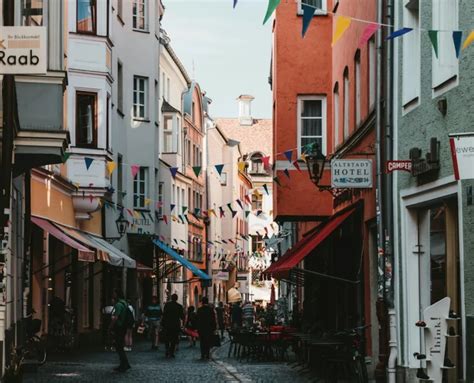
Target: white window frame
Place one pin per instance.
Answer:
(137, 91)
(319, 12)
(336, 112)
(411, 57)
(138, 197)
(323, 100)
(445, 68)
(120, 86)
(346, 105)
(136, 17)
(159, 210)
(357, 91)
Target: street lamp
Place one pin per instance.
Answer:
(315, 163)
(122, 225)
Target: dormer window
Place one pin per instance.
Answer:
(256, 164)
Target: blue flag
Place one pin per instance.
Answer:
(399, 33)
(457, 37)
(219, 168)
(88, 162)
(308, 13)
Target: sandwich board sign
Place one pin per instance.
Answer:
(23, 50)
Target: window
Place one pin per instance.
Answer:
(257, 243)
(336, 115)
(224, 179)
(140, 184)
(357, 88)
(163, 83)
(320, 5)
(32, 13)
(257, 201)
(140, 86)
(107, 122)
(119, 179)
(168, 134)
(140, 15)
(346, 103)
(411, 53)
(119, 86)
(372, 72)
(311, 122)
(160, 200)
(446, 66)
(86, 16)
(86, 120)
(257, 164)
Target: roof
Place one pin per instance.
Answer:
(257, 137)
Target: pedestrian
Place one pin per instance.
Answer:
(119, 327)
(220, 312)
(129, 333)
(107, 312)
(173, 316)
(152, 318)
(270, 315)
(206, 324)
(248, 315)
(236, 316)
(191, 325)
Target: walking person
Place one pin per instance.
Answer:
(129, 333)
(206, 324)
(220, 312)
(153, 317)
(173, 316)
(191, 325)
(119, 327)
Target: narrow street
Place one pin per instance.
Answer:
(148, 366)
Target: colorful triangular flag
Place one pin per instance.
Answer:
(239, 202)
(287, 173)
(259, 212)
(197, 170)
(277, 181)
(433, 35)
(88, 161)
(399, 32)
(342, 24)
(297, 165)
(229, 205)
(272, 4)
(248, 200)
(266, 162)
(265, 187)
(241, 165)
(308, 13)
(233, 213)
(235, 3)
(172, 206)
(469, 40)
(457, 38)
(184, 209)
(247, 213)
(288, 154)
(221, 212)
(147, 201)
(66, 157)
(134, 169)
(219, 168)
(173, 171)
(368, 32)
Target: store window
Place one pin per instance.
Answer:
(86, 120)
(86, 16)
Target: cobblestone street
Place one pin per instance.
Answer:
(150, 366)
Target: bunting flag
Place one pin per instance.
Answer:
(241, 165)
(172, 206)
(159, 204)
(184, 209)
(173, 171)
(181, 218)
(221, 212)
(66, 157)
(433, 35)
(186, 218)
(239, 202)
(151, 217)
(308, 13)
(287, 173)
(235, 3)
(336, 6)
(248, 200)
(134, 169)
(165, 218)
(224, 241)
(197, 211)
(277, 181)
(247, 213)
(111, 165)
(265, 187)
(297, 166)
(231, 241)
(175, 240)
(457, 38)
(272, 4)
(212, 211)
(399, 32)
(469, 40)
(342, 24)
(368, 33)
(229, 205)
(266, 162)
(289, 155)
(197, 170)
(88, 162)
(234, 213)
(130, 212)
(147, 201)
(259, 212)
(219, 168)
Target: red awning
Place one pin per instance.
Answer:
(297, 253)
(83, 253)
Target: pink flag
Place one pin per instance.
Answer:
(369, 31)
(266, 162)
(135, 169)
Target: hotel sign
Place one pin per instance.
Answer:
(351, 174)
(23, 50)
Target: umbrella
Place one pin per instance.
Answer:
(272, 295)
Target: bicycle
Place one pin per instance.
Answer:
(34, 347)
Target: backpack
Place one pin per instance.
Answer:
(129, 320)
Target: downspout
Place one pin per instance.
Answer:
(388, 197)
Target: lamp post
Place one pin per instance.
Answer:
(122, 224)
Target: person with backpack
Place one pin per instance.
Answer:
(122, 319)
(173, 316)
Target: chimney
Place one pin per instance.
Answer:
(245, 109)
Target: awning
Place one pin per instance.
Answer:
(183, 261)
(83, 253)
(281, 268)
(105, 251)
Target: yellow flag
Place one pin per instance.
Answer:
(303, 157)
(136, 214)
(342, 23)
(241, 165)
(469, 40)
(147, 201)
(111, 165)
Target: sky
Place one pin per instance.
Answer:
(229, 49)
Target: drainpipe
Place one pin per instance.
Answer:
(388, 197)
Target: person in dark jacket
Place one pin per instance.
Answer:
(173, 315)
(206, 325)
(236, 316)
(118, 327)
(220, 312)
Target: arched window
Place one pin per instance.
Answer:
(257, 166)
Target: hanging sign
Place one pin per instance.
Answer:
(349, 174)
(462, 152)
(23, 50)
(398, 165)
(222, 275)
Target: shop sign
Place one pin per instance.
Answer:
(462, 152)
(222, 275)
(23, 50)
(428, 165)
(398, 165)
(349, 174)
